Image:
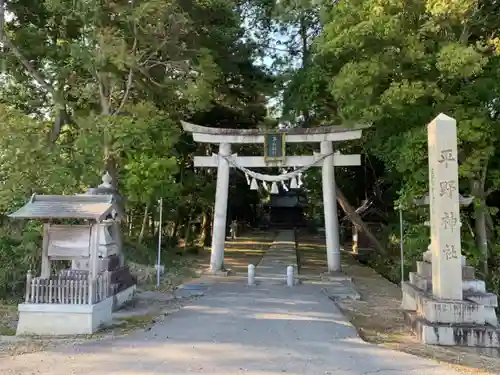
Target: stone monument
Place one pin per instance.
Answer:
(443, 302)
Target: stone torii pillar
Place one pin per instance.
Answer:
(330, 208)
(226, 137)
(220, 211)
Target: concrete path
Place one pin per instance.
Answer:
(281, 254)
(235, 329)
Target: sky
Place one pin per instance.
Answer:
(276, 41)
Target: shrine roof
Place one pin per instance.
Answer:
(192, 128)
(90, 207)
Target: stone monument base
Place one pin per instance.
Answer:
(221, 273)
(335, 276)
(469, 322)
(484, 335)
(45, 319)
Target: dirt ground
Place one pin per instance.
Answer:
(244, 250)
(378, 317)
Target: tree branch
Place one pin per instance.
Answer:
(489, 191)
(29, 67)
(2, 23)
(127, 91)
(128, 85)
(358, 222)
(103, 93)
(61, 116)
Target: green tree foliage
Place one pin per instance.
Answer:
(396, 65)
(93, 86)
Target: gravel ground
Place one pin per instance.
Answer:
(147, 308)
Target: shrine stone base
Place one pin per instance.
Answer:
(484, 336)
(470, 322)
(45, 319)
(221, 273)
(335, 276)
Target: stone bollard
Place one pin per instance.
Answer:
(289, 276)
(251, 274)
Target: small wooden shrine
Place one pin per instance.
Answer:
(81, 229)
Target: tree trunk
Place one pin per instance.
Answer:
(490, 225)
(358, 222)
(204, 229)
(175, 230)
(481, 236)
(152, 225)
(144, 225)
(130, 223)
(480, 231)
(154, 210)
(187, 234)
(305, 59)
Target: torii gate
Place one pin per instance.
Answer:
(274, 156)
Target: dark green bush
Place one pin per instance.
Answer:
(19, 254)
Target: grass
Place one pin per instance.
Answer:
(8, 318)
(7, 331)
(175, 274)
(134, 323)
(379, 319)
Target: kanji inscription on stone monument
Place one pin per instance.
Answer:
(444, 207)
(449, 221)
(447, 156)
(446, 188)
(450, 252)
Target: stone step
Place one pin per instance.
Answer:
(427, 257)
(472, 286)
(485, 299)
(424, 269)
(441, 311)
(489, 301)
(468, 273)
(341, 290)
(443, 334)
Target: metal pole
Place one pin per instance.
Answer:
(159, 245)
(401, 244)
